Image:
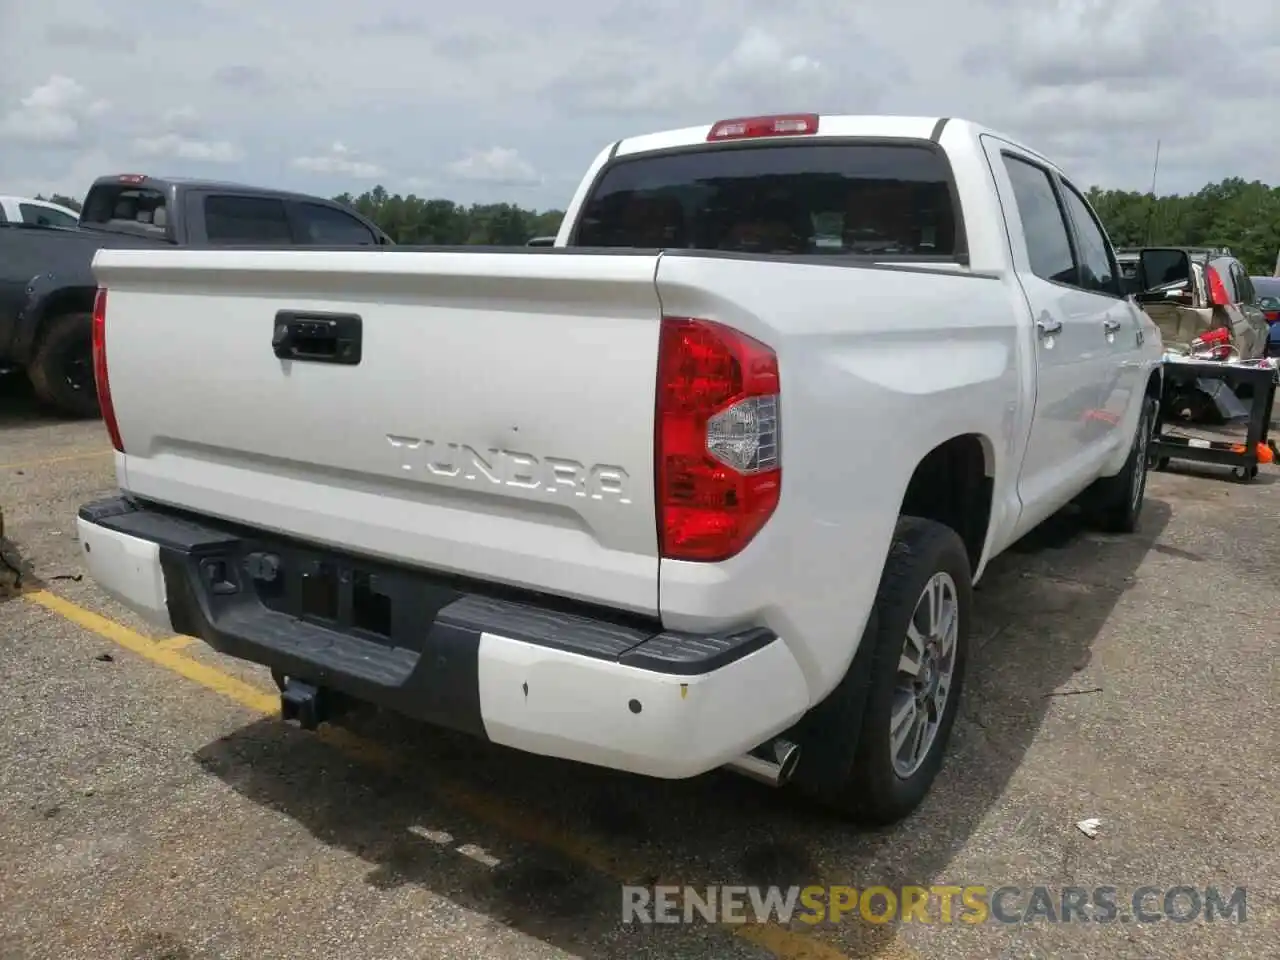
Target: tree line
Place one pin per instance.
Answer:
(1234, 213)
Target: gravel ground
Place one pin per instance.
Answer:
(152, 809)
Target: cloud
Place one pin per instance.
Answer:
(89, 35)
(760, 72)
(185, 117)
(240, 76)
(1093, 84)
(51, 114)
(339, 160)
(180, 147)
(395, 25)
(1102, 82)
(497, 165)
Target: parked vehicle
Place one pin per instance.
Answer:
(1268, 291)
(42, 213)
(706, 484)
(47, 286)
(1189, 294)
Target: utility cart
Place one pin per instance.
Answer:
(1210, 391)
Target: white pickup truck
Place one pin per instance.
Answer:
(705, 484)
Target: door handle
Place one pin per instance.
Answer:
(1110, 325)
(317, 337)
(1048, 327)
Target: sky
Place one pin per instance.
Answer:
(490, 100)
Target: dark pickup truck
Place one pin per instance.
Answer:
(47, 285)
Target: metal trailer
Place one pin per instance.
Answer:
(1243, 458)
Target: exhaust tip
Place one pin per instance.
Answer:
(772, 763)
(788, 756)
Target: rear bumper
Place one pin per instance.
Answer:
(526, 672)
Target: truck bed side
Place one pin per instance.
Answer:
(879, 364)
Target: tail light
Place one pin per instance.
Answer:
(1214, 338)
(1215, 344)
(100, 379)
(1217, 289)
(781, 125)
(717, 440)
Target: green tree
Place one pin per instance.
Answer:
(62, 201)
(1233, 213)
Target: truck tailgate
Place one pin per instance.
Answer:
(498, 425)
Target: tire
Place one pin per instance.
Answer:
(61, 372)
(1115, 503)
(871, 789)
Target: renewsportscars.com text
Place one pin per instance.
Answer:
(933, 904)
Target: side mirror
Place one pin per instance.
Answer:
(1162, 267)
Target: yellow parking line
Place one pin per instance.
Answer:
(243, 693)
(28, 464)
(782, 942)
(179, 642)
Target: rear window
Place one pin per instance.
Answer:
(851, 199)
(119, 205)
(247, 220)
(1163, 267)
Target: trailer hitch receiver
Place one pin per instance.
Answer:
(303, 702)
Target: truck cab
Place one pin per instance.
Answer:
(204, 213)
(47, 284)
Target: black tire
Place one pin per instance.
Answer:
(61, 372)
(868, 789)
(1115, 503)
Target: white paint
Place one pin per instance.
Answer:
(127, 569)
(57, 214)
(579, 708)
(556, 365)
(439, 837)
(552, 358)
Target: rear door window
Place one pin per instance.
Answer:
(233, 219)
(328, 226)
(1097, 261)
(1043, 225)
(834, 199)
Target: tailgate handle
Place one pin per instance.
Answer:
(317, 337)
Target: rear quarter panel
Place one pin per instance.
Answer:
(878, 366)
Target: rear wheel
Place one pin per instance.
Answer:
(919, 636)
(1115, 503)
(61, 372)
